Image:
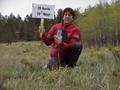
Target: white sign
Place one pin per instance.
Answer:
(43, 11)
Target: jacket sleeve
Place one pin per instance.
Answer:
(49, 38)
(75, 39)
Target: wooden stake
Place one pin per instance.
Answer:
(41, 26)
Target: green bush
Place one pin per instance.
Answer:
(116, 52)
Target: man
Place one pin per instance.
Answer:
(65, 38)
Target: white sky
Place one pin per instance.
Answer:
(24, 7)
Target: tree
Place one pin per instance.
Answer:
(59, 15)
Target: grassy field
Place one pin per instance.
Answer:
(21, 68)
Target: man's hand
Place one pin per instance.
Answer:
(58, 40)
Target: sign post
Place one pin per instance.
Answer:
(43, 11)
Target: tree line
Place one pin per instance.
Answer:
(13, 29)
(100, 25)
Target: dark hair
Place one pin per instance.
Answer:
(70, 10)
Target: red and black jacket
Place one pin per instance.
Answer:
(73, 36)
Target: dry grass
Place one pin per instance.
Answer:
(21, 69)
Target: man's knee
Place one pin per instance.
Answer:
(77, 47)
(75, 53)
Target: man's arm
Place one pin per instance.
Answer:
(47, 39)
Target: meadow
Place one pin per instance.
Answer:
(21, 68)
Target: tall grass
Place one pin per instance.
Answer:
(21, 68)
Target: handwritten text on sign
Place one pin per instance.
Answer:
(43, 11)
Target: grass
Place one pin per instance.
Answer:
(21, 68)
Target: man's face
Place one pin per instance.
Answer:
(67, 18)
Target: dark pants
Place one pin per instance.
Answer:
(69, 59)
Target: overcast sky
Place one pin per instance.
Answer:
(24, 7)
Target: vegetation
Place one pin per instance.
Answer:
(21, 68)
(99, 25)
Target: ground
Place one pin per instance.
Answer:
(21, 68)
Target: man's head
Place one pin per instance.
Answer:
(68, 15)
